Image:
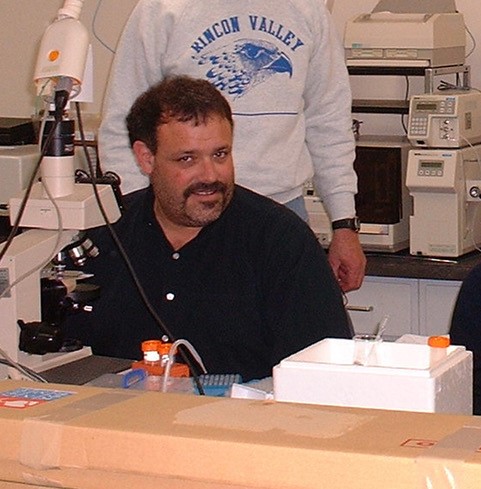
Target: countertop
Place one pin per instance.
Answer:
(402, 264)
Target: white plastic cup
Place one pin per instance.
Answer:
(365, 348)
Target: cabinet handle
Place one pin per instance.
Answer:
(360, 308)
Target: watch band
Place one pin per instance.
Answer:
(352, 223)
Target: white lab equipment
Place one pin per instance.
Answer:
(63, 50)
(446, 219)
(405, 34)
(61, 63)
(59, 74)
(448, 119)
(57, 205)
(16, 166)
(383, 203)
(23, 301)
(399, 376)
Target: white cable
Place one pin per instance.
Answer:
(170, 361)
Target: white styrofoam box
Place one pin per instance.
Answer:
(399, 376)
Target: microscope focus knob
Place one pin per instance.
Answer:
(475, 192)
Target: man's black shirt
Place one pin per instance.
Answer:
(250, 289)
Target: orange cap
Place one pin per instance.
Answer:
(164, 348)
(151, 345)
(439, 341)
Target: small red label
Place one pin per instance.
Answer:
(18, 402)
(419, 443)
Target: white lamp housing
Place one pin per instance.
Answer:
(63, 53)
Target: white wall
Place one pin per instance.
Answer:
(22, 23)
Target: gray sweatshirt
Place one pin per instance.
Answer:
(281, 66)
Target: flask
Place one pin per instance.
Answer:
(438, 348)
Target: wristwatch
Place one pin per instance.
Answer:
(352, 223)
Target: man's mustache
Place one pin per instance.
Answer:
(205, 187)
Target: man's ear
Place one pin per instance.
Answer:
(144, 156)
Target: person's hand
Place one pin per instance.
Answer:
(347, 259)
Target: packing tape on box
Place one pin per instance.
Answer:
(255, 416)
(42, 437)
(456, 449)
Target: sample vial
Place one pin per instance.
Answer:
(155, 359)
(151, 350)
(438, 348)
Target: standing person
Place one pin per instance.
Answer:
(281, 65)
(238, 275)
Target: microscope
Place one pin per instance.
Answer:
(35, 296)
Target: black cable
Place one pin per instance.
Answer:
(127, 261)
(406, 98)
(94, 29)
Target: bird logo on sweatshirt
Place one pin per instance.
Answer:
(237, 68)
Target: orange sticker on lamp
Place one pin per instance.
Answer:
(53, 55)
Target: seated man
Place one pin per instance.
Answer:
(238, 275)
(466, 327)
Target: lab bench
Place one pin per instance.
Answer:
(418, 293)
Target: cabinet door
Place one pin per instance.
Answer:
(378, 296)
(436, 304)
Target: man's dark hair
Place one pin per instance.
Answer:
(180, 98)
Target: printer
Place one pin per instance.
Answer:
(407, 33)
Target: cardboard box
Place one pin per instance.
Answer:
(93, 438)
(15, 485)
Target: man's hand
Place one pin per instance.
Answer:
(347, 259)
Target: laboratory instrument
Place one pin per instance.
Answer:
(406, 34)
(446, 220)
(57, 206)
(444, 170)
(446, 119)
(383, 203)
(16, 166)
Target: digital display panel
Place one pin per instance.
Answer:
(431, 164)
(427, 106)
